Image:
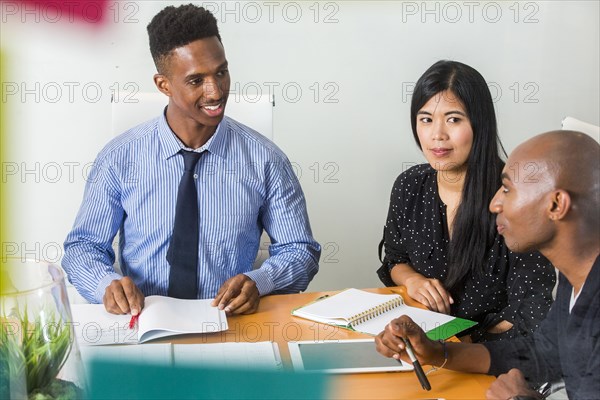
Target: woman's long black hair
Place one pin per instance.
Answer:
(474, 226)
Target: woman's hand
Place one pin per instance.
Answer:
(429, 292)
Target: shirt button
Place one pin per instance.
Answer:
(195, 176)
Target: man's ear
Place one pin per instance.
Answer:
(560, 204)
(162, 83)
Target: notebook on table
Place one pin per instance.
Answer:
(162, 316)
(237, 355)
(369, 313)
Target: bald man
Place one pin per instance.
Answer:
(549, 201)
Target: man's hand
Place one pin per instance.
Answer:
(429, 292)
(123, 296)
(510, 385)
(390, 344)
(238, 295)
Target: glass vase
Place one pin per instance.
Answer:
(39, 358)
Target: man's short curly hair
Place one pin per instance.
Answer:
(174, 27)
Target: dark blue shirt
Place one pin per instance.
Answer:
(566, 345)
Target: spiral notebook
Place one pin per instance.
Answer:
(370, 312)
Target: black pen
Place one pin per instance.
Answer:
(418, 369)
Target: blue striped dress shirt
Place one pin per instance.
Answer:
(245, 184)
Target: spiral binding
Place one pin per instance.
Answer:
(375, 311)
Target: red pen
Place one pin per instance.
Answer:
(133, 320)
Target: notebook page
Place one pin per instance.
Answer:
(156, 354)
(426, 319)
(164, 316)
(150, 354)
(95, 326)
(343, 305)
(238, 355)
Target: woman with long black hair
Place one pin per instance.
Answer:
(440, 239)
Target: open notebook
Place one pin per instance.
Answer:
(370, 312)
(162, 316)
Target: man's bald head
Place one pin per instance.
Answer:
(570, 161)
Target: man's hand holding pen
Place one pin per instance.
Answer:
(403, 339)
(391, 343)
(123, 296)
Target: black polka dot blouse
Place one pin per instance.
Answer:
(515, 288)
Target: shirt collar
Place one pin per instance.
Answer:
(217, 144)
(171, 144)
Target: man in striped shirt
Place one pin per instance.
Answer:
(244, 184)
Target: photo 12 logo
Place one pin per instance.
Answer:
(470, 11)
(70, 92)
(526, 92)
(289, 92)
(273, 11)
(37, 251)
(69, 11)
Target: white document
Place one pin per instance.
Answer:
(260, 355)
(161, 316)
(426, 319)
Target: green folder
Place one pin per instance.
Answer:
(450, 329)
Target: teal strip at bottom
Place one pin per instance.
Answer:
(117, 380)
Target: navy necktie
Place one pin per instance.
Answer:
(183, 249)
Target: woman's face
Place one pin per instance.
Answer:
(445, 132)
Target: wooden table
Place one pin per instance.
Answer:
(273, 322)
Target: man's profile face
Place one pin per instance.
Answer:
(198, 79)
(521, 202)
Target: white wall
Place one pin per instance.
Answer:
(347, 133)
